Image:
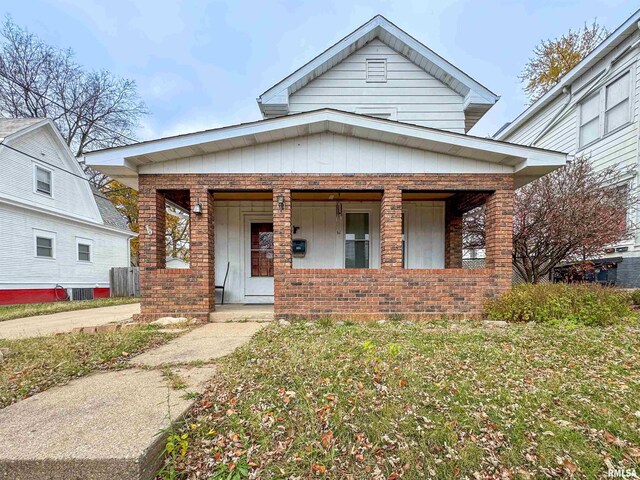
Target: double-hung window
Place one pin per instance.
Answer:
(356, 240)
(42, 180)
(44, 244)
(605, 111)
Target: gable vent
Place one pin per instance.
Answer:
(376, 69)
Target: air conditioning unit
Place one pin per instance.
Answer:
(81, 293)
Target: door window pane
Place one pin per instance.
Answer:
(262, 249)
(356, 248)
(44, 247)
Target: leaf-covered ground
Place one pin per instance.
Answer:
(416, 401)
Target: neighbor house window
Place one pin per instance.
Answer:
(617, 110)
(45, 244)
(376, 70)
(356, 240)
(84, 252)
(42, 178)
(606, 111)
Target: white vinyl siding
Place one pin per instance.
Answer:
(43, 179)
(615, 141)
(319, 225)
(70, 195)
(325, 153)
(20, 267)
(419, 97)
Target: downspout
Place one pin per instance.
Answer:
(567, 91)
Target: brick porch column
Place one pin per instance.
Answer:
(281, 242)
(499, 235)
(151, 229)
(201, 252)
(391, 228)
(452, 235)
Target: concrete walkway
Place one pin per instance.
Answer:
(108, 425)
(65, 321)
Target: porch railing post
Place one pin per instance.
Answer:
(452, 235)
(391, 228)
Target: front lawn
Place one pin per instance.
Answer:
(32, 365)
(417, 401)
(10, 312)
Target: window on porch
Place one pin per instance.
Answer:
(336, 229)
(177, 228)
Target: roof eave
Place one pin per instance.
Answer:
(616, 37)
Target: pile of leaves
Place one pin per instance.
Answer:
(416, 401)
(581, 304)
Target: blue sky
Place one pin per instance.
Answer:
(201, 64)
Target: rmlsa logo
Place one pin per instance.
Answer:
(622, 473)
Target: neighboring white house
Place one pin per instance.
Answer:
(593, 112)
(54, 228)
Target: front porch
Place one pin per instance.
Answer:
(366, 246)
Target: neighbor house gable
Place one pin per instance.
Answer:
(477, 99)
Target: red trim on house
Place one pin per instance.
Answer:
(39, 295)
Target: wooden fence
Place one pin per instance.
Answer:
(124, 282)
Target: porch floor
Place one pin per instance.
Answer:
(238, 312)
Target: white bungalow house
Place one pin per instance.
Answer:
(593, 112)
(346, 198)
(55, 229)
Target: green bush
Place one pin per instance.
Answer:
(584, 304)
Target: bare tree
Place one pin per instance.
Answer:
(572, 214)
(92, 109)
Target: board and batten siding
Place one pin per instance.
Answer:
(20, 268)
(416, 96)
(70, 195)
(323, 231)
(324, 153)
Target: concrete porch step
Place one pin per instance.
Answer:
(242, 313)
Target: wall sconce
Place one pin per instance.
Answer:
(197, 208)
(280, 200)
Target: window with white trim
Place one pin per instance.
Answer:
(44, 244)
(376, 69)
(606, 111)
(42, 180)
(84, 252)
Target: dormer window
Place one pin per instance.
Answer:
(42, 180)
(376, 70)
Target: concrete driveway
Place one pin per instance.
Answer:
(65, 321)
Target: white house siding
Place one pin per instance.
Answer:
(323, 231)
(325, 153)
(619, 149)
(417, 96)
(20, 269)
(71, 196)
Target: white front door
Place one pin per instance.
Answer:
(258, 281)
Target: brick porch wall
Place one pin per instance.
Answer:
(361, 293)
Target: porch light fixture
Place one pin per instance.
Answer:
(280, 200)
(197, 208)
